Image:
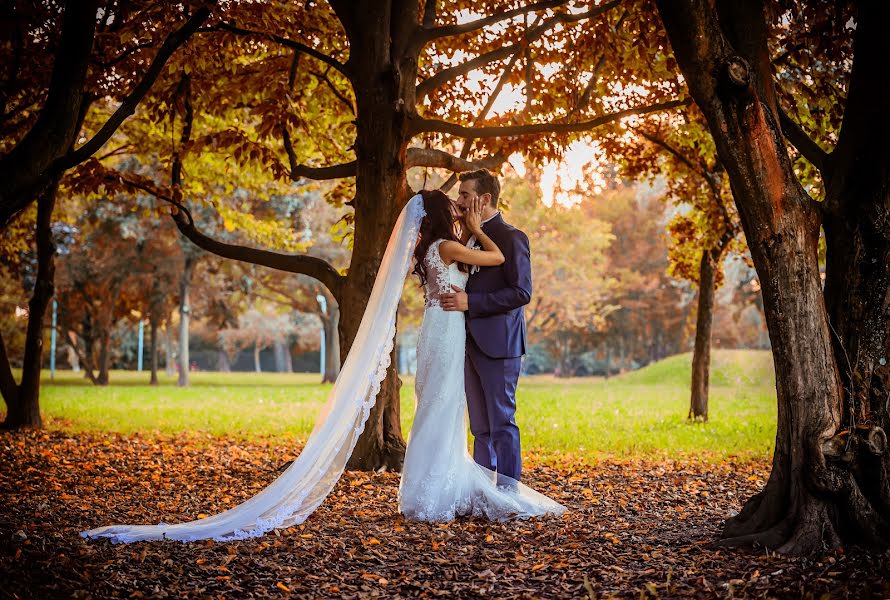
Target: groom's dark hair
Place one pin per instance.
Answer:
(485, 182)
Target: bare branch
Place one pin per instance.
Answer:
(710, 178)
(438, 159)
(340, 95)
(421, 125)
(676, 153)
(289, 43)
(804, 143)
(427, 86)
(128, 106)
(298, 171)
(429, 35)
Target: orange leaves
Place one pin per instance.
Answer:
(649, 531)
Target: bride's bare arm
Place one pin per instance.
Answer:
(489, 256)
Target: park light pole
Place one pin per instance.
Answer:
(141, 345)
(323, 303)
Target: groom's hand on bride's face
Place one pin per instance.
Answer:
(455, 301)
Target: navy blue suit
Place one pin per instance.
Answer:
(495, 345)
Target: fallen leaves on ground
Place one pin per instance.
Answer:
(634, 528)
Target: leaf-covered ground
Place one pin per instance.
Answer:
(640, 529)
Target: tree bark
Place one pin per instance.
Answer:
(256, 358)
(104, 356)
(814, 496)
(282, 357)
(185, 284)
(25, 171)
(23, 400)
(701, 354)
(169, 368)
(857, 283)
(384, 73)
(222, 362)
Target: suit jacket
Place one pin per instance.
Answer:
(496, 295)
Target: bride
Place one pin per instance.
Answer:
(440, 480)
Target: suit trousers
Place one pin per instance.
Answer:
(491, 401)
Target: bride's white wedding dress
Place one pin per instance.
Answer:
(304, 485)
(440, 480)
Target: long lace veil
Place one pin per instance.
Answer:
(298, 491)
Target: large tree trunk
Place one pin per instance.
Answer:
(384, 77)
(185, 285)
(701, 354)
(282, 357)
(23, 400)
(857, 285)
(222, 362)
(104, 356)
(256, 358)
(811, 499)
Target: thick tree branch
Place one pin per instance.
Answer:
(128, 106)
(429, 34)
(283, 41)
(427, 86)
(489, 104)
(302, 264)
(429, 13)
(421, 125)
(438, 159)
(23, 170)
(804, 143)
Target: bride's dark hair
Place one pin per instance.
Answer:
(438, 224)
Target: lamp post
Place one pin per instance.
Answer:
(323, 303)
(141, 344)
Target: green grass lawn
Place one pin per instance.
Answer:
(640, 414)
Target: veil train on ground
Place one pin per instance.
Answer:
(297, 492)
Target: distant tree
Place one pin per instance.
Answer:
(571, 284)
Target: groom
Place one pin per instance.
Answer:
(493, 302)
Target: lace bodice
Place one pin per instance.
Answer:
(439, 276)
